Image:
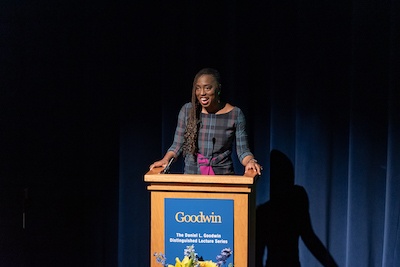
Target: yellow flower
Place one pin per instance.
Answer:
(207, 264)
(186, 262)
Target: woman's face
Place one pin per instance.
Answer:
(207, 92)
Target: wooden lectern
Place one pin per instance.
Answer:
(240, 189)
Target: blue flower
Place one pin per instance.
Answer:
(160, 258)
(190, 252)
(225, 254)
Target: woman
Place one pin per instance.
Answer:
(206, 130)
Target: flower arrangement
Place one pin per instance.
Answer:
(191, 259)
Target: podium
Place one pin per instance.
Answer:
(237, 193)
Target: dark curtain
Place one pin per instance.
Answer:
(59, 134)
(90, 92)
(317, 80)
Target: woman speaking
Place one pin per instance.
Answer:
(206, 130)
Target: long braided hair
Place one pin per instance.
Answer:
(193, 124)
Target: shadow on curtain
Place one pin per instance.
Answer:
(285, 218)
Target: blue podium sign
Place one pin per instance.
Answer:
(205, 223)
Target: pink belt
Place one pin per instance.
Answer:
(205, 165)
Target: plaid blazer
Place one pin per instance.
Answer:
(217, 135)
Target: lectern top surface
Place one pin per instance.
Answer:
(155, 176)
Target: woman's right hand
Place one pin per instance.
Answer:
(160, 163)
(164, 162)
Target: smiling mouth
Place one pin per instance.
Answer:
(204, 100)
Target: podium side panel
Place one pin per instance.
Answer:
(157, 226)
(241, 229)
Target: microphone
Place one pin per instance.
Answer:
(212, 151)
(166, 169)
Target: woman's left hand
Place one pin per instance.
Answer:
(253, 165)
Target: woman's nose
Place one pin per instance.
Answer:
(202, 91)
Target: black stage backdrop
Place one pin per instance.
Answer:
(90, 93)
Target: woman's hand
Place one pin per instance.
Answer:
(253, 165)
(164, 162)
(160, 163)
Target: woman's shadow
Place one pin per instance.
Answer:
(285, 218)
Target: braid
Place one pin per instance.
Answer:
(191, 131)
